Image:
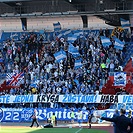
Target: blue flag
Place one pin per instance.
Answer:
(118, 44)
(78, 64)
(61, 55)
(105, 41)
(60, 35)
(67, 33)
(73, 51)
(57, 26)
(72, 38)
(124, 23)
(78, 32)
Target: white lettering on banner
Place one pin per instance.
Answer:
(110, 114)
(79, 98)
(66, 98)
(43, 114)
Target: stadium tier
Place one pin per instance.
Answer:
(66, 69)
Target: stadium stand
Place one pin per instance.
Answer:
(67, 59)
(36, 58)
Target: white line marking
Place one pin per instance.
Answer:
(78, 130)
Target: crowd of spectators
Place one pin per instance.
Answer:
(36, 59)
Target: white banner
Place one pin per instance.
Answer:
(66, 98)
(119, 79)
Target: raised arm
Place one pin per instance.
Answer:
(113, 119)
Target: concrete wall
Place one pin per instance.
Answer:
(12, 24)
(47, 22)
(96, 23)
(38, 23)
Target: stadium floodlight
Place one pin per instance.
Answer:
(7, 14)
(46, 14)
(17, 15)
(73, 12)
(65, 13)
(19, 4)
(101, 1)
(57, 13)
(12, 0)
(110, 10)
(24, 15)
(3, 15)
(37, 13)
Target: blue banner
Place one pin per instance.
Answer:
(24, 115)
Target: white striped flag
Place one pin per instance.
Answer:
(73, 50)
(105, 41)
(118, 44)
(124, 23)
(57, 26)
(61, 55)
(78, 64)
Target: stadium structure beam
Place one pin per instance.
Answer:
(13, 0)
(75, 14)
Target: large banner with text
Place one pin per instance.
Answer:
(24, 114)
(66, 98)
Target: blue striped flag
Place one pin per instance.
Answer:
(118, 44)
(71, 38)
(78, 32)
(60, 35)
(67, 33)
(57, 26)
(63, 34)
(78, 64)
(61, 55)
(105, 41)
(124, 23)
(73, 51)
